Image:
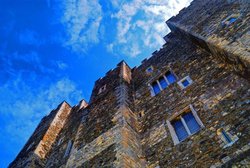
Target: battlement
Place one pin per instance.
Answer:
(220, 27)
(187, 105)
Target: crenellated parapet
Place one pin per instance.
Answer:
(184, 106)
(220, 27)
(35, 152)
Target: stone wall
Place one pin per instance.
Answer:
(217, 94)
(35, 152)
(205, 23)
(126, 125)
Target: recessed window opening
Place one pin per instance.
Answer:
(149, 69)
(226, 137)
(230, 20)
(185, 82)
(60, 141)
(102, 89)
(184, 125)
(162, 83)
(156, 87)
(68, 149)
(170, 77)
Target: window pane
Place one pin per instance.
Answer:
(185, 83)
(156, 87)
(180, 130)
(227, 138)
(150, 69)
(231, 20)
(163, 83)
(191, 122)
(170, 77)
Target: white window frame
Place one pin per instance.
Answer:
(233, 138)
(103, 88)
(172, 130)
(60, 141)
(183, 79)
(158, 83)
(147, 70)
(226, 21)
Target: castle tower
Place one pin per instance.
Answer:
(221, 28)
(185, 106)
(111, 128)
(35, 152)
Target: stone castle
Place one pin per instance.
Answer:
(188, 105)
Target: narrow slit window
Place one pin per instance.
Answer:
(68, 149)
(226, 138)
(163, 82)
(231, 20)
(192, 124)
(225, 135)
(170, 77)
(102, 89)
(156, 88)
(185, 83)
(149, 69)
(180, 130)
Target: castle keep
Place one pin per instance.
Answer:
(188, 105)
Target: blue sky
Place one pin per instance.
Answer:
(54, 50)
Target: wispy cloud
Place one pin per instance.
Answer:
(22, 106)
(141, 24)
(81, 19)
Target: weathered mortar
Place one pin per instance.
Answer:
(125, 125)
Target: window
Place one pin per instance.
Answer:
(149, 69)
(170, 77)
(102, 89)
(68, 149)
(31, 145)
(230, 20)
(60, 141)
(185, 82)
(141, 114)
(162, 83)
(226, 137)
(184, 125)
(156, 88)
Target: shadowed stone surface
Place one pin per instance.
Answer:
(126, 125)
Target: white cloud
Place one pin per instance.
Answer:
(141, 24)
(61, 65)
(82, 20)
(26, 105)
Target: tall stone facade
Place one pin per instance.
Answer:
(188, 105)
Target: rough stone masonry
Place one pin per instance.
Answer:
(188, 105)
